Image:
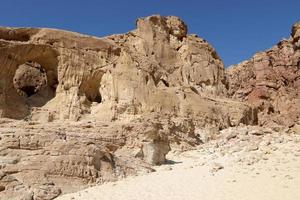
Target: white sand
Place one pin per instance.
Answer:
(274, 177)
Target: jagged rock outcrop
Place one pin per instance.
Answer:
(43, 160)
(270, 80)
(95, 109)
(155, 68)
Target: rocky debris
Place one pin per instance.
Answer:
(295, 129)
(77, 110)
(252, 147)
(244, 151)
(46, 192)
(37, 158)
(230, 136)
(215, 167)
(132, 96)
(270, 81)
(280, 170)
(246, 148)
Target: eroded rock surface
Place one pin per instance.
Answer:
(43, 160)
(155, 68)
(29, 79)
(270, 80)
(78, 110)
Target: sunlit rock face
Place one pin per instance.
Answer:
(77, 110)
(157, 68)
(270, 80)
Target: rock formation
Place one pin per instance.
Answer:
(270, 81)
(79, 110)
(156, 68)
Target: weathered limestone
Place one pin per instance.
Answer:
(29, 79)
(155, 68)
(77, 110)
(61, 157)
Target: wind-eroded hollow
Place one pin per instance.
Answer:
(92, 93)
(91, 88)
(29, 79)
(35, 83)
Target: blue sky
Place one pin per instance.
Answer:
(236, 28)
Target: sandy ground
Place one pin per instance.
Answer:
(204, 174)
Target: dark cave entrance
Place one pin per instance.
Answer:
(29, 79)
(29, 90)
(91, 87)
(35, 83)
(97, 98)
(94, 95)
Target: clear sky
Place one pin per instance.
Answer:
(236, 28)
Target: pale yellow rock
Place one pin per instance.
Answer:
(155, 68)
(88, 110)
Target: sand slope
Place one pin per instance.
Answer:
(208, 175)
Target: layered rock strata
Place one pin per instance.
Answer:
(79, 110)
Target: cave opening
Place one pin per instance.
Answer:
(29, 79)
(91, 87)
(29, 90)
(35, 83)
(98, 98)
(94, 97)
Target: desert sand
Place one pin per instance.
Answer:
(206, 174)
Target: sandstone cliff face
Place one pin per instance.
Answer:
(271, 81)
(155, 68)
(84, 110)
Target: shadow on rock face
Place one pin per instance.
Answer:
(33, 84)
(29, 80)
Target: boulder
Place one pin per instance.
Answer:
(155, 147)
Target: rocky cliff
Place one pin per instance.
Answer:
(270, 81)
(79, 110)
(157, 68)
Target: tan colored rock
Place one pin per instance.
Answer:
(46, 192)
(295, 129)
(155, 68)
(296, 34)
(155, 147)
(215, 167)
(88, 110)
(29, 79)
(48, 159)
